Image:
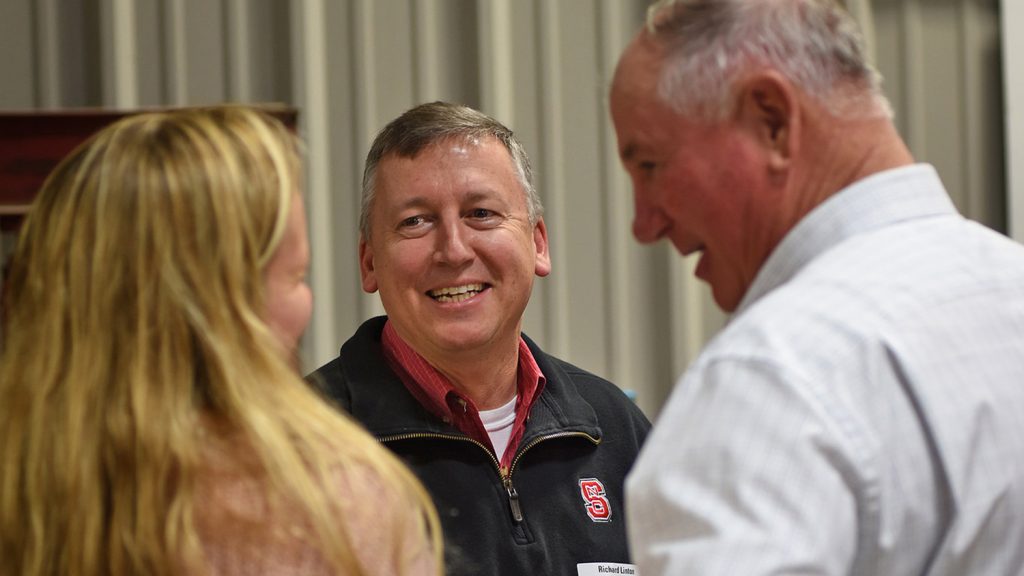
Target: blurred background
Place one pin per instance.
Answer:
(633, 314)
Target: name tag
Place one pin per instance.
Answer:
(603, 568)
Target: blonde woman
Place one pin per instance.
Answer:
(152, 418)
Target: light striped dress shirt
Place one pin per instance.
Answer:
(863, 411)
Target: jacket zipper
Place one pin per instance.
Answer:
(504, 474)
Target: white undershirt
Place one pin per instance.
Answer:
(498, 423)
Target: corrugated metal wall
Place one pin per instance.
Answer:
(631, 313)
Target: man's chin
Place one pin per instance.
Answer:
(727, 299)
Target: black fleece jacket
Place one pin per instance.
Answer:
(561, 504)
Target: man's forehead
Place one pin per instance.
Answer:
(639, 65)
(455, 143)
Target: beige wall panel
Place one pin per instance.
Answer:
(632, 313)
(155, 44)
(204, 74)
(940, 62)
(552, 177)
(18, 71)
(582, 234)
(941, 59)
(392, 56)
(449, 45)
(983, 136)
(120, 64)
(79, 64)
(267, 67)
(347, 151)
(1012, 17)
(526, 123)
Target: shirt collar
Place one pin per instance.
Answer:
(435, 392)
(890, 196)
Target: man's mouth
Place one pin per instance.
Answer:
(695, 249)
(456, 293)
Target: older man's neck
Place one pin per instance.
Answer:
(843, 152)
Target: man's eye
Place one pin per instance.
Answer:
(481, 213)
(647, 167)
(411, 221)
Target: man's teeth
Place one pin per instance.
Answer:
(456, 293)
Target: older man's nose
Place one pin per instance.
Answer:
(648, 224)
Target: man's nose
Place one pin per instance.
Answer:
(649, 224)
(452, 245)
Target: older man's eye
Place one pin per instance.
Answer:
(481, 213)
(411, 221)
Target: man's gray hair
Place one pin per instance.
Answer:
(429, 124)
(814, 43)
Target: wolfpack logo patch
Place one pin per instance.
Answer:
(595, 500)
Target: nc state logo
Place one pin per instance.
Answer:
(595, 500)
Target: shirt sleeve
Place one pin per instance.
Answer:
(746, 472)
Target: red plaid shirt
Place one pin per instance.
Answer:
(433, 390)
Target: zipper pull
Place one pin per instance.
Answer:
(513, 500)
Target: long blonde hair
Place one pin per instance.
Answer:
(133, 318)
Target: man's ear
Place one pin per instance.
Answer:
(366, 266)
(540, 244)
(767, 107)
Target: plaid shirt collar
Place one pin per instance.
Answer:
(436, 393)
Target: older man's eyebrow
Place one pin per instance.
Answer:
(628, 152)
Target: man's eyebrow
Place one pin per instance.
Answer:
(413, 202)
(480, 194)
(628, 152)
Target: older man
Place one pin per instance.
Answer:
(524, 454)
(863, 411)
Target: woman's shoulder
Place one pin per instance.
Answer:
(244, 529)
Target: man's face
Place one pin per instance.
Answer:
(696, 184)
(451, 247)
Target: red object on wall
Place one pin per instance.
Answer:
(32, 143)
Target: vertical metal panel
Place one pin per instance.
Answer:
(365, 110)
(425, 53)
(495, 44)
(205, 51)
(552, 176)
(527, 64)
(310, 54)
(527, 90)
(47, 62)
(582, 233)
(175, 54)
(239, 60)
(984, 164)
(120, 76)
(151, 59)
(913, 82)
(617, 209)
(686, 335)
(18, 70)
(861, 11)
(258, 64)
(1012, 18)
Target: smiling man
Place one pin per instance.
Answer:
(861, 413)
(525, 455)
